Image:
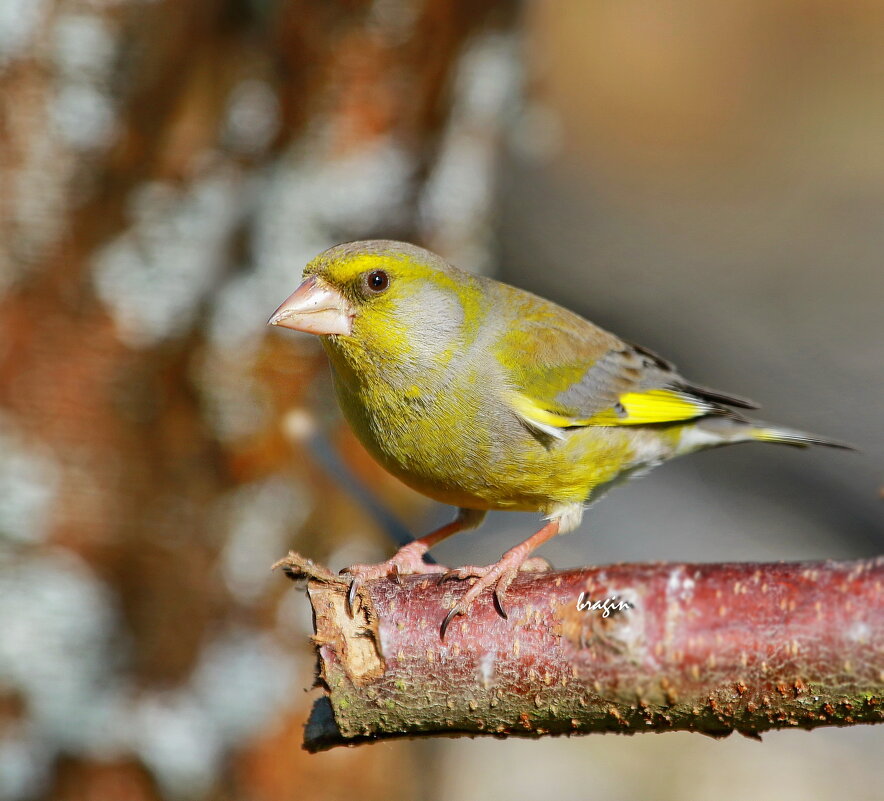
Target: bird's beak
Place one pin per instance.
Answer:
(316, 308)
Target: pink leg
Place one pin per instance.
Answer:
(408, 560)
(499, 575)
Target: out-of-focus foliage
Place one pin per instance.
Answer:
(707, 179)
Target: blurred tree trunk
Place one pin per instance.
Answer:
(103, 110)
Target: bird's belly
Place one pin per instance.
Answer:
(455, 457)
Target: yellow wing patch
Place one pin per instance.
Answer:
(540, 419)
(653, 406)
(633, 409)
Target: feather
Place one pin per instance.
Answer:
(568, 373)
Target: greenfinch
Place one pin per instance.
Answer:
(485, 396)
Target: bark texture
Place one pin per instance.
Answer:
(713, 648)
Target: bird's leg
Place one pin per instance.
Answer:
(408, 560)
(499, 575)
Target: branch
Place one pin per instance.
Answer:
(712, 648)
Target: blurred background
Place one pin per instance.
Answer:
(705, 179)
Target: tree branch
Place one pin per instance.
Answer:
(712, 648)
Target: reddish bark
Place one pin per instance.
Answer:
(712, 648)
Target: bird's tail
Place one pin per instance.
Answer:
(788, 436)
(715, 430)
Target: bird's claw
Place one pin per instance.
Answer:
(459, 573)
(453, 612)
(355, 584)
(503, 584)
(406, 562)
(498, 577)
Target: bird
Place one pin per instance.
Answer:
(485, 396)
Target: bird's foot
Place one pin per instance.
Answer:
(407, 561)
(498, 576)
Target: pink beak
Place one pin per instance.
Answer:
(315, 308)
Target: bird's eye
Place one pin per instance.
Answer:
(378, 280)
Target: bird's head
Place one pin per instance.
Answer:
(387, 298)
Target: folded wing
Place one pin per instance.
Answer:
(572, 374)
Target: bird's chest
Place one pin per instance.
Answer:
(419, 425)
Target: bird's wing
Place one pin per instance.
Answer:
(565, 372)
